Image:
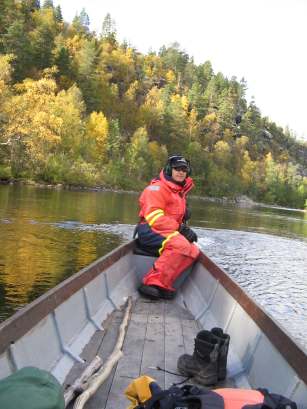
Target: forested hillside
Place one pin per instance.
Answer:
(82, 108)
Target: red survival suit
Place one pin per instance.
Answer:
(163, 206)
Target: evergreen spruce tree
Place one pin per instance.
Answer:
(108, 31)
(84, 19)
(16, 41)
(48, 4)
(58, 14)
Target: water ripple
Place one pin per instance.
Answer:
(271, 269)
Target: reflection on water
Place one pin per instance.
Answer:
(35, 253)
(47, 235)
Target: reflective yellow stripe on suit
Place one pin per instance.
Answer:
(153, 216)
(167, 239)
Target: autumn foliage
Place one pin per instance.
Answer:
(84, 109)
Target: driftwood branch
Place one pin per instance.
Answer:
(97, 379)
(81, 383)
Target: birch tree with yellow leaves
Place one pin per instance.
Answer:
(5, 94)
(96, 138)
(31, 125)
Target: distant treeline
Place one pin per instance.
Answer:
(84, 109)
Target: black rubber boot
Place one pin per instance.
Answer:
(202, 365)
(223, 340)
(166, 294)
(149, 291)
(154, 292)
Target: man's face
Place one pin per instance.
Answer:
(179, 174)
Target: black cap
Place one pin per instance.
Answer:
(178, 162)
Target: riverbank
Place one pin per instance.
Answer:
(240, 200)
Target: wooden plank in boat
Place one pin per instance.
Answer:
(116, 397)
(129, 365)
(174, 347)
(100, 398)
(100, 344)
(190, 328)
(172, 309)
(144, 306)
(156, 336)
(142, 345)
(153, 354)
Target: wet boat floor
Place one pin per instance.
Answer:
(158, 333)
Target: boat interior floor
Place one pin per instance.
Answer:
(157, 334)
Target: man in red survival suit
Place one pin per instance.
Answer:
(162, 230)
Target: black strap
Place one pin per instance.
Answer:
(168, 404)
(274, 401)
(186, 378)
(185, 396)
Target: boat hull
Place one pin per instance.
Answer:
(51, 332)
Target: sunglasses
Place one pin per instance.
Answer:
(181, 168)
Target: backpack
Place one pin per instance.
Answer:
(193, 397)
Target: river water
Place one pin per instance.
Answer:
(47, 235)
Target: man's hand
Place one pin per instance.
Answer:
(188, 233)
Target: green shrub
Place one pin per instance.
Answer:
(54, 169)
(81, 173)
(5, 172)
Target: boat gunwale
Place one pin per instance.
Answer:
(22, 321)
(278, 336)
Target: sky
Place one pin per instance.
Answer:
(263, 41)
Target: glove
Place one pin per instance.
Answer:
(188, 233)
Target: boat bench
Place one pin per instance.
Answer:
(144, 260)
